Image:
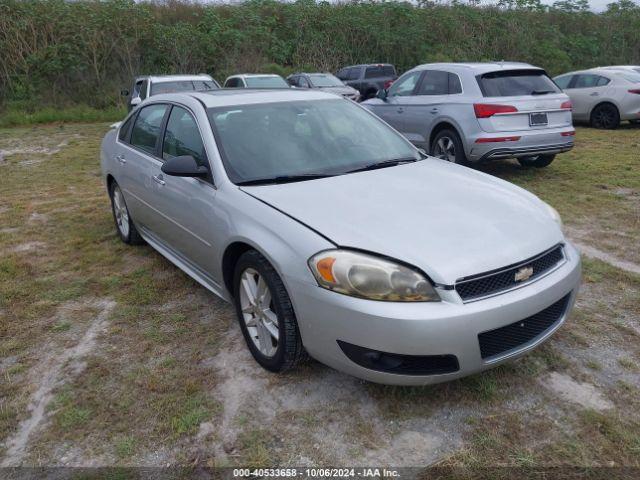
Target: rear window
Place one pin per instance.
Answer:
(266, 82)
(380, 71)
(515, 83)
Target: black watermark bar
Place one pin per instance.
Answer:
(230, 473)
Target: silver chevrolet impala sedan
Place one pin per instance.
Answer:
(333, 236)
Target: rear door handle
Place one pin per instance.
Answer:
(434, 110)
(595, 94)
(121, 159)
(158, 179)
(400, 109)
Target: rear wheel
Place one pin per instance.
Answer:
(605, 116)
(538, 161)
(266, 315)
(447, 146)
(124, 223)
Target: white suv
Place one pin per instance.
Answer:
(603, 96)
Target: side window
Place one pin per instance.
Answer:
(303, 82)
(136, 89)
(231, 83)
(563, 82)
(454, 84)
(354, 73)
(373, 72)
(124, 129)
(435, 82)
(293, 81)
(143, 89)
(146, 130)
(404, 85)
(182, 137)
(590, 81)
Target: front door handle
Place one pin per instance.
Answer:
(400, 110)
(595, 94)
(158, 179)
(434, 110)
(121, 159)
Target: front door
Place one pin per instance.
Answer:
(392, 109)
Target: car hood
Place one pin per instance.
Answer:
(450, 221)
(339, 90)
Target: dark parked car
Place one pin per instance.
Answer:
(368, 79)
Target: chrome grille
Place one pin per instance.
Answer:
(490, 283)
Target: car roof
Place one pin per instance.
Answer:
(253, 75)
(478, 67)
(246, 96)
(175, 78)
(369, 65)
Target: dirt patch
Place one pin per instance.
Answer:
(584, 394)
(51, 375)
(593, 252)
(314, 410)
(28, 247)
(44, 148)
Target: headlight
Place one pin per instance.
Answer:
(367, 276)
(554, 214)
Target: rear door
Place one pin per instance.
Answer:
(139, 163)
(520, 99)
(434, 91)
(586, 90)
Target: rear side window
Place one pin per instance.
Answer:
(204, 85)
(380, 71)
(146, 130)
(233, 83)
(353, 73)
(435, 82)
(563, 82)
(182, 137)
(171, 87)
(590, 81)
(511, 83)
(454, 84)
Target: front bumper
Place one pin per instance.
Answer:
(530, 143)
(449, 327)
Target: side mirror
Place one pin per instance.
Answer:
(135, 101)
(382, 94)
(124, 93)
(184, 166)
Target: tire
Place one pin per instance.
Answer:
(539, 161)
(447, 146)
(369, 94)
(634, 122)
(605, 116)
(257, 325)
(124, 223)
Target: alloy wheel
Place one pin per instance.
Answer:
(445, 149)
(257, 312)
(605, 117)
(121, 212)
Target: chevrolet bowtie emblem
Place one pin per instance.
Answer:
(523, 274)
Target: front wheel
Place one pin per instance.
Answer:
(605, 116)
(266, 315)
(447, 146)
(538, 161)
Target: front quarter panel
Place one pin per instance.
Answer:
(107, 154)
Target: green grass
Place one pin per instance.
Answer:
(77, 114)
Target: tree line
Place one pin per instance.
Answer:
(56, 52)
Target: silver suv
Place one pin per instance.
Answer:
(473, 112)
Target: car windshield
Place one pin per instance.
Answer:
(266, 82)
(510, 83)
(298, 138)
(322, 80)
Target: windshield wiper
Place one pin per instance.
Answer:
(542, 92)
(383, 164)
(284, 179)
